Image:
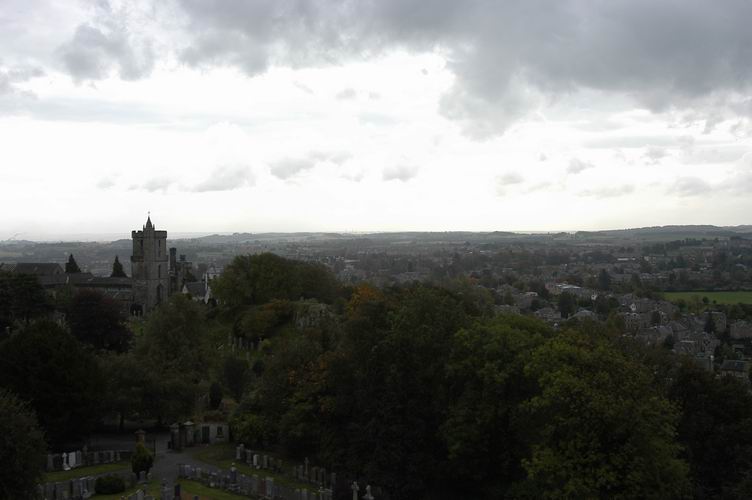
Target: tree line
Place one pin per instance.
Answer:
(418, 390)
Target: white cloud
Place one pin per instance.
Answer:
(289, 167)
(399, 173)
(226, 178)
(577, 166)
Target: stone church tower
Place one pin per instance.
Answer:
(149, 262)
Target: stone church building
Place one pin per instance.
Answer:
(150, 268)
(156, 273)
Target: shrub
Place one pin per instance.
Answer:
(215, 396)
(142, 459)
(107, 485)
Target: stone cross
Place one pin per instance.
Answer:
(355, 489)
(368, 495)
(65, 462)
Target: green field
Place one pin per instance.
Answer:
(717, 297)
(94, 470)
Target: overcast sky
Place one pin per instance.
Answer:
(373, 115)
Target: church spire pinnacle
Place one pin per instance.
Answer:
(149, 225)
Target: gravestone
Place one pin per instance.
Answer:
(368, 495)
(355, 489)
(270, 487)
(79, 459)
(58, 490)
(256, 461)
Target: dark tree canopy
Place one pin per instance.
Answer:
(257, 279)
(97, 319)
(22, 448)
(22, 298)
(567, 304)
(117, 269)
(71, 266)
(172, 357)
(47, 366)
(600, 427)
(716, 430)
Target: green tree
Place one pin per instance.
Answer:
(235, 373)
(258, 279)
(175, 349)
(22, 448)
(215, 395)
(71, 267)
(117, 269)
(98, 320)
(61, 379)
(601, 428)
(142, 460)
(486, 384)
(567, 304)
(716, 430)
(22, 299)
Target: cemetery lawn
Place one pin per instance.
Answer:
(730, 298)
(192, 488)
(152, 488)
(94, 470)
(223, 456)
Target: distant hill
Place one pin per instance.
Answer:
(672, 232)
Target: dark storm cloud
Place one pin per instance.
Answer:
(506, 56)
(107, 44)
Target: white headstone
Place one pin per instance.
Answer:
(368, 493)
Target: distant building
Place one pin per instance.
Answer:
(150, 268)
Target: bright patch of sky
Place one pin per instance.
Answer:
(424, 119)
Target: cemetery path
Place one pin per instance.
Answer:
(166, 465)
